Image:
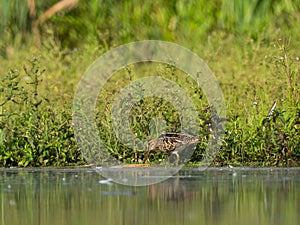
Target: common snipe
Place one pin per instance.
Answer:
(169, 142)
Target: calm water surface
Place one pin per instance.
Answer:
(215, 196)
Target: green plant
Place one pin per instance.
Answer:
(32, 132)
(235, 38)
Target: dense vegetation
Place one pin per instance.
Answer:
(251, 46)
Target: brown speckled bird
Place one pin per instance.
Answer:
(169, 142)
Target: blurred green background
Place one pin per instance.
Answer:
(108, 23)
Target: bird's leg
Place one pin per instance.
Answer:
(177, 157)
(147, 154)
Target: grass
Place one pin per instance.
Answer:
(32, 132)
(255, 61)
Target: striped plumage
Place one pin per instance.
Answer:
(169, 142)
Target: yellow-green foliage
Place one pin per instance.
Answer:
(251, 46)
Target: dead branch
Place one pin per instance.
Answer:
(32, 9)
(59, 6)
